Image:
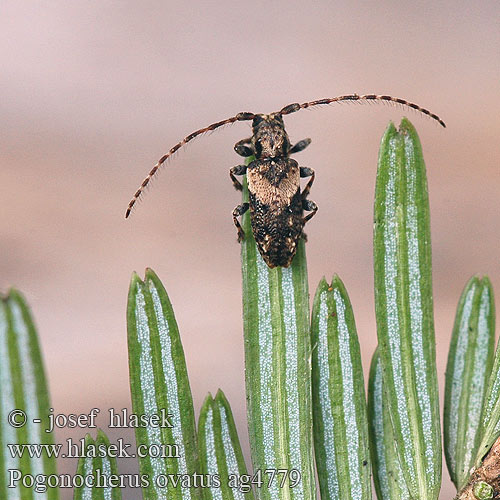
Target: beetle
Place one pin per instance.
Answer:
(276, 202)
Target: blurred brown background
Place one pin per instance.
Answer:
(92, 93)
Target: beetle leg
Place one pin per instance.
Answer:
(243, 150)
(300, 146)
(239, 210)
(309, 206)
(238, 170)
(307, 172)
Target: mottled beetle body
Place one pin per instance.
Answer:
(276, 202)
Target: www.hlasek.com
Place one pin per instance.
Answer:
(78, 449)
(268, 478)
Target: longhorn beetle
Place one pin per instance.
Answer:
(276, 202)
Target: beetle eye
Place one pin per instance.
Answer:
(257, 119)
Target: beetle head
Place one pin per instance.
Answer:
(270, 139)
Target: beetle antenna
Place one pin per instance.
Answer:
(291, 108)
(237, 118)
